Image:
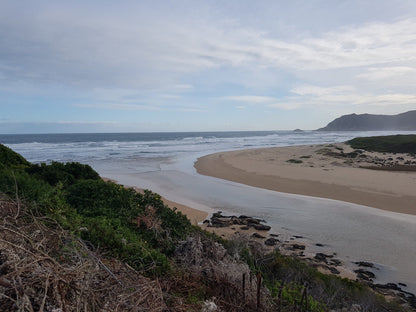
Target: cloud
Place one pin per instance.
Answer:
(338, 96)
(387, 73)
(86, 49)
(249, 98)
(191, 56)
(132, 107)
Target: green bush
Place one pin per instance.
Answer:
(176, 223)
(94, 198)
(17, 183)
(388, 144)
(124, 243)
(9, 158)
(68, 173)
(294, 161)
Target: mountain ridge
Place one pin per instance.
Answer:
(372, 122)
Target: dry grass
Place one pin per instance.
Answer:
(43, 268)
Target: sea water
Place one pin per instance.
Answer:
(163, 162)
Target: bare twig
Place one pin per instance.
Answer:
(17, 197)
(46, 293)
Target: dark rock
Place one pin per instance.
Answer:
(242, 217)
(274, 235)
(335, 262)
(220, 222)
(257, 235)
(261, 227)
(333, 270)
(251, 221)
(271, 241)
(298, 247)
(245, 228)
(319, 245)
(365, 264)
(322, 257)
(217, 214)
(391, 286)
(298, 236)
(365, 275)
(402, 284)
(205, 222)
(235, 220)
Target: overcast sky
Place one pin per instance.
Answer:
(110, 66)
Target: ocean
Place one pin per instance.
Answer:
(163, 162)
(87, 147)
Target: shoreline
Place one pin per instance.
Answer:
(318, 171)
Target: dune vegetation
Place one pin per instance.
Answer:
(386, 144)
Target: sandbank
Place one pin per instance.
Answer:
(323, 170)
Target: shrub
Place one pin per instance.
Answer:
(93, 198)
(9, 158)
(17, 183)
(388, 144)
(294, 161)
(124, 243)
(68, 173)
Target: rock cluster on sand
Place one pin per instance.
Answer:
(218, 220)
(389, 289)
(326, 262)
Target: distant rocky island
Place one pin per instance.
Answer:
(368, 122)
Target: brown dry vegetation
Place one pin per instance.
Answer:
(43, 268)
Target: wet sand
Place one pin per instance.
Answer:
(321, 171)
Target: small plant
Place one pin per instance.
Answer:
(294, 161)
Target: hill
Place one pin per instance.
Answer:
(368, 122)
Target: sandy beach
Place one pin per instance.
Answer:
(323, 170)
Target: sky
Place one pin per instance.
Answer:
(149, 66)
